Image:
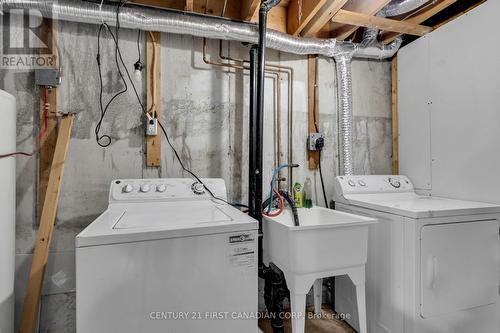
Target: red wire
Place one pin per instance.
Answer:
(282, 205)
(45, 117)
(42, 131)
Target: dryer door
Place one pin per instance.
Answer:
(459, 266)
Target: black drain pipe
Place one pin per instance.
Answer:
(252, 140)
(257, 78)
(265, 7)
(275, 284)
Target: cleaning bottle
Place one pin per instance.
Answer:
(297, 195)
(307, 194)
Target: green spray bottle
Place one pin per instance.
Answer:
(307, 194)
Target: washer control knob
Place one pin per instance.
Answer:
(395, 182)
(127, 188)
(198, 188)
(362, 183)
(161, 188)
(351, 183)
(145, 188)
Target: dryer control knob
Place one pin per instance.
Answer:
(352, 183)
(362, 183)
(161, 188)
(198, 188)
(127, 188)
(145, 188)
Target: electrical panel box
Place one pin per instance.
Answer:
(47, 77)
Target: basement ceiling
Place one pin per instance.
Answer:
(341, 19)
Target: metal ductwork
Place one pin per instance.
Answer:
(345, 111)
(394, 8)
(400, 7)
(343, 60)
(168, 21)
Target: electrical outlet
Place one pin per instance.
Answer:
(152, 127)
(316, 142)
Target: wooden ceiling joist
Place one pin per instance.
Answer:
(300, 16)
(318, 18)
(380, 23)
(214, 7)
(323, 17)
(249, 9)
(342, 31)
(388, 37)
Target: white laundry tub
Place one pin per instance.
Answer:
(327, 243)
(325, 240)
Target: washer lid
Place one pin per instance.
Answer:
(136, 222)
(171, 215)
(417, 206)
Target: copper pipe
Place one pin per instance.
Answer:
(290, 72)
(275, 75)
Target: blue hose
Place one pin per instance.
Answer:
(275, 172)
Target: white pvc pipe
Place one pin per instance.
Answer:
(7, 210)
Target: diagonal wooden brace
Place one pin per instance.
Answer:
(47, 221)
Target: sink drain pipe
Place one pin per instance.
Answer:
(257, 141)
(275, 289)
(253, 142)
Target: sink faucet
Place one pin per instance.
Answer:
(291, 202)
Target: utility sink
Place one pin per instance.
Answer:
(327, 243)
(325, 240)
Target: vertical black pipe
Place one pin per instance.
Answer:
(251, 129)
(265, 7)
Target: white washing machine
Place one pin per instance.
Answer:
(433, 263)
(167, 257)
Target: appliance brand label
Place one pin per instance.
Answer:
(241, 250)
(242, 238)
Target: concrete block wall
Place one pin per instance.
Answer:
(205, 110)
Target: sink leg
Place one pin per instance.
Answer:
(318, 295)
(357, 276)
(361, 298)
(298, 307)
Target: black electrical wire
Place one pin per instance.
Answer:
(317, 131)
(322, 181)
(105, 140)
(144, 111)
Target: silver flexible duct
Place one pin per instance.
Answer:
(345, 108)
(394, 8)
(400, 7)
(343, 58)
(151, 19)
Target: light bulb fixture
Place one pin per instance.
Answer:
(138, 67)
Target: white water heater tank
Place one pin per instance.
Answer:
(7, 210)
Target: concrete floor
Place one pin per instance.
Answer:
(325, 324)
